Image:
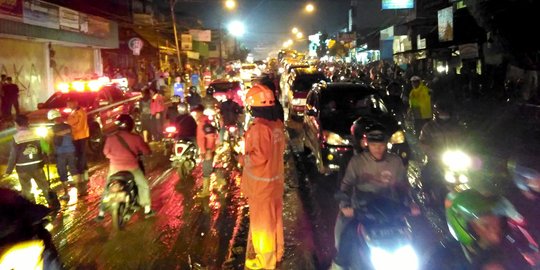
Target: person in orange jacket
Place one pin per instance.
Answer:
(263, 179)
(78, 120)
(206, 141)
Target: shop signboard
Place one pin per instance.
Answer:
(397, 4)
(40, 13)
(187, 42)
(201, 35)
(11, 9)
(445, 22)
(192, 55)
(98, 27)
(69, 19)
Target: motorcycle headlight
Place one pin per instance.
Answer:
(25, 255)
(209, 112)
(397, 137)
(403, 258)
(456, 160)
(42, 131)
(334, 139)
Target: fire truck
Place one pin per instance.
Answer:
(102, 99)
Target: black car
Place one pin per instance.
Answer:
(331, 110)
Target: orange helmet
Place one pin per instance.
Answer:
(260, 96)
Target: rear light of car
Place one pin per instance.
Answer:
(170, 129)
(179, 149)
(232, 129)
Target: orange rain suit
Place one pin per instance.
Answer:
(262, 184)
(205, 142)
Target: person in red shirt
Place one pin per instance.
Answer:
(157, 110)
(123, 159)
(206, 141)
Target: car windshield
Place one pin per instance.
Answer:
(303, 82)
(346, 105)
(224, 87)
(59, 99)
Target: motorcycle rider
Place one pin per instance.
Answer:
(185, 124)
(230, 112)
(193, 98)
(26, 156)
(374, 171)
(123, 149)
(206, 141)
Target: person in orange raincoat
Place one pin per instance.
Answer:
(263, 180)
(206, 141)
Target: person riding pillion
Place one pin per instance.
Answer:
(27, 156)
(123, 149)
(263, 179)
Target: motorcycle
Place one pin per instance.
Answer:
(384, 236)
(183, 152)
(25, 243)
(121, 198)
(227, 154)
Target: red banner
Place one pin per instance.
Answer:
(11, 9)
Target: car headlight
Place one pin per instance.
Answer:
(403, 258)
(334, 139)
(42, 131)
(456, 160)
(397, 137)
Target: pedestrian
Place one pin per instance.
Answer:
(26, 156)
(206, 141)
(2, 99)
(64, 150)
(78, 120)
(419, 103)
(11, 97)
(146, 115)
(157, 109)
(263, 180)
(124, 149)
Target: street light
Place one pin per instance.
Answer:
(299, 35)
(230, 4)
(294, 30)
(236, 28)
(310, 7)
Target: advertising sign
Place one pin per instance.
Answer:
(187, 42)
(445, 21)
(69, 19)
(201, 35)
(397, 4)
(135, 45)
(40, 13)
(98, 26)
(11, 9)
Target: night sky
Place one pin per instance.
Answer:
(269, 22)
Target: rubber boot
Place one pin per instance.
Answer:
(205, 191)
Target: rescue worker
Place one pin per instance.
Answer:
(419, 103)
(374, 171)
(263, 179)
(123, 149)
(64, 150)
(206, 141)
(157, 109)
(78, 120)
(186, 125)
(26, 156)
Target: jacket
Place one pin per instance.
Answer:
(186, 126)
(78, 121)
(230, 111)
(26, 152)
(386, 177)
(420, 102)
(206, 142)
(157, 105)
(63, 139)
(264, 171)
(119, 156)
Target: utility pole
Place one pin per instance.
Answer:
(172, 4)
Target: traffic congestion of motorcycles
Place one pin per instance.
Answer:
(336, 106)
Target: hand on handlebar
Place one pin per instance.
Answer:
(347, 212)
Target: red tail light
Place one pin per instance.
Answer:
(170, 129)
(179, 149)
(232, 129)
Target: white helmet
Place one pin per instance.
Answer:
(53, 114)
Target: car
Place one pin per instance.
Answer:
(220, 87)
(249, 71)
(103, 102)
(299, 83)
(284, 75)
(331, 110)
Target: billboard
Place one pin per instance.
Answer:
(69, 19)
(186, 42)
(397, 4)
(445, 22)
(11, 9)
(201, 35)
(41, 14)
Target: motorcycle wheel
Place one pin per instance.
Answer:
(117, 213)
(186, 167)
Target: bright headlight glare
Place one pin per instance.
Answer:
(449, 177)
(456, 160)
(397, 137)
(25, 255)
(42, 131)
(334, 139)
(404, 258)
(463, 179)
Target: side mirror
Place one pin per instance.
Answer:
(103, 102)
(311, 112)
(40, 106)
